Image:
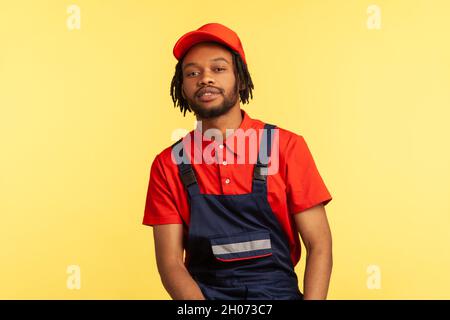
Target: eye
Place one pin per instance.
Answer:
(220, 68)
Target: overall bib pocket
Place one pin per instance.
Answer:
(242, 246)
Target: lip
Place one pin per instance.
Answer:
(207, 89)
(207, 98)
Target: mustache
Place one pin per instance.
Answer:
(202, 90)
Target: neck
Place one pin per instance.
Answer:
(231, 120)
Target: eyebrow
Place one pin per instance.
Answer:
(215, 59)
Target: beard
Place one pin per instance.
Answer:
(229, 101)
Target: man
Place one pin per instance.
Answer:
(237, 220)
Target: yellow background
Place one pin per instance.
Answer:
(84, 112)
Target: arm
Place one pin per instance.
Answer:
(169, 258)
(312, 224)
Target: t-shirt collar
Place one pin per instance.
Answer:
(246, 123)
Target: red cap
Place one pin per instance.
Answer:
(209, 32)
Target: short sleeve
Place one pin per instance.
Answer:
(304, 185)
(160, 207)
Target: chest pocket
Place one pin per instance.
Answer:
(243, 246)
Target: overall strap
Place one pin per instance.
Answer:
(261, 166)
(185, 169)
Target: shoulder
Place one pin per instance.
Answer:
(164, 159)
(289, 140)
(285, 136)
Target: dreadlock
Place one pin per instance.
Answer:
(241, 73)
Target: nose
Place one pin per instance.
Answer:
(206, 79)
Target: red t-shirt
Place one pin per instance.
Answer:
(293, 188)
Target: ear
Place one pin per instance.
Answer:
(182, 92)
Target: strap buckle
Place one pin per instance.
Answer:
(260, 172)
(188, 177)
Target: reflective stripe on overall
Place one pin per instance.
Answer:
(236, 248)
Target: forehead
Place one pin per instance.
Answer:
(207, 52)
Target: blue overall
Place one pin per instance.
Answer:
(236, 248)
